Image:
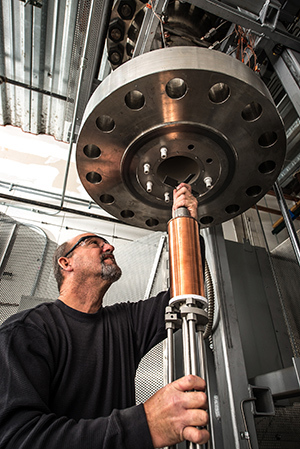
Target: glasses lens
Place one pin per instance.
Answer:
(88, 240)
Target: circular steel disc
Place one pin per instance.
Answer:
(177, 114)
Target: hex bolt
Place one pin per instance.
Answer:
(146, 168)
(149, 186)
(167, 197)
(163, 152)
(208, 182)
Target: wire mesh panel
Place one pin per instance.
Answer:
(25, 255)
(137, 261)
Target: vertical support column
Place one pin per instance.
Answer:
(232, 402)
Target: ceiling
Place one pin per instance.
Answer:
(53, 55)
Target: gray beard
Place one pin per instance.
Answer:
(110, 272)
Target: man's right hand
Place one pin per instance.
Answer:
(175, 410)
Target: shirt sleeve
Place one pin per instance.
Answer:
(26, 420)
(148, 321)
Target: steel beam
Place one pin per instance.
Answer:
(249, 21)
(283, 383)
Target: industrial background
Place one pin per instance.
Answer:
(56, 62)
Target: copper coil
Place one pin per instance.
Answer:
(186, 273)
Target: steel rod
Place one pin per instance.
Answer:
(170, 351)
(192, 342)
(288, 221)
(186, 347)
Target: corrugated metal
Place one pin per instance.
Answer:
(40, 60)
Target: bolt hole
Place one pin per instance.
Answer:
(191, 147)
(127, 213)
(176, 88)
(209, 160)
(219, 93)
(105, 123)
(107, 199)
(267, 167)
(252, 112)
(92, 151)
(267, 139)
(253, 191)
(151, 222)
(206, 220)
(93, 177)
(232, 209)
(135, 100)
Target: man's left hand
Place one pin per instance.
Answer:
(183, 197)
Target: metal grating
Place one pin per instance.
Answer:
(136, 260)
(281, 431)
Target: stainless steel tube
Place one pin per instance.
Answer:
(288, 221)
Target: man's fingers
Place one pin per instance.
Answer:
(189, 383)
(195, 400)
(184, 186)
(195, 435)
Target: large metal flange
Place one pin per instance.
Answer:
(173, 114)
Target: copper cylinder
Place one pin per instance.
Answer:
(186, 273)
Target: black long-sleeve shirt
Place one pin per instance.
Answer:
(67, 377)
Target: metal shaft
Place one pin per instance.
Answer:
(288, 221)
(187, 285)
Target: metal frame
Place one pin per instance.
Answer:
(232, 400)
(249, 21)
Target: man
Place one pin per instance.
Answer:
(68, 367)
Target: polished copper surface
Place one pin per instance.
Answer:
(186, 273)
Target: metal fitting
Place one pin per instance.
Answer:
(149, 186)
(146, 168)
(208, 182)
(163, 152)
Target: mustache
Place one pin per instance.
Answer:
(107, 255)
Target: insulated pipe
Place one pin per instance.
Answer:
(187, 289)
(186, 273)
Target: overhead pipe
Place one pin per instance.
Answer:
(81, 71)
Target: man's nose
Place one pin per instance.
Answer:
(107, 247)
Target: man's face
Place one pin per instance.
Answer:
(93, 256)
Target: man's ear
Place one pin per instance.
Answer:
(65, 264)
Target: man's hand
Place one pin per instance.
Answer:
(175, 410)
(182, 196)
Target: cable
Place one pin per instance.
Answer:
(211, 302)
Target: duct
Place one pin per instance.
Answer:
(81, 71)
(58, 208)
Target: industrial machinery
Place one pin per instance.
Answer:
(175, 109)
(155, 93)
